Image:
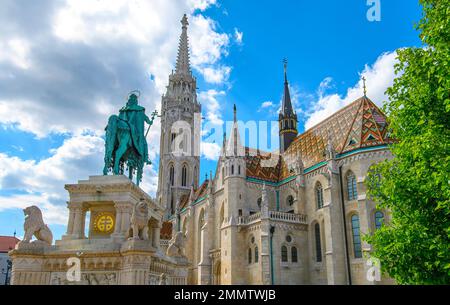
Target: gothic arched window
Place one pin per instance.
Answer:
(258, 202)
(378, 219)
(256, 255)
(356, 237)
(232, 169)
(184, 176)
(284, 254)
(172, 175)
(294, 257)
(352, 193)
(318, 244)
(319, 195)
(249, 255)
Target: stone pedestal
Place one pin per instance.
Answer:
(103, 258)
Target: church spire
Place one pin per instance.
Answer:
(286, 107)
(287, 117)
(183, 66)
(234, 147)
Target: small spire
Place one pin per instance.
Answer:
(182, 65)
(184, 22)
(15, 233)
(364, 85)
(234, 112)
(285, 62)
(286, 107)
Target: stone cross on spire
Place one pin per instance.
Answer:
(183, 66)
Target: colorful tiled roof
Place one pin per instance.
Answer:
(166, 230)
(198, 193)
(360, 124)
(258, 165)
(7, 243)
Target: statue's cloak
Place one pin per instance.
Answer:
(135, 117)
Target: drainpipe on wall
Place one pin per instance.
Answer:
(272, 230)
(349, 274)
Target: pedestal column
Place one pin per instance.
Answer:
(79, 221)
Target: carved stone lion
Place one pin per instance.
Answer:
(139, 222)
(176, 246)
(34, 225)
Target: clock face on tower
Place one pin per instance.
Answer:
(104, 223)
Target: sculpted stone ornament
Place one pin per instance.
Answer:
(139, 222)
(125, 142)
(34, 225)
(176, 246)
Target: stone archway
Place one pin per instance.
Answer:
(217, 273)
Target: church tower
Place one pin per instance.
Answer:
(287, 118)
(179, 163)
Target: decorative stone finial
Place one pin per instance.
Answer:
(184, 21)
(364, 85)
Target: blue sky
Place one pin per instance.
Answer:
(66, 65)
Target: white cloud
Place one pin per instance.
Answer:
(209, 45)
(83, 57)
(238, 36)
(379, 77)
(211, 151)
(208, 99)
(216, 75)
(202, 4)
(267, 105)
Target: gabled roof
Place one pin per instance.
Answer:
(358, 125)
(8, 243)
(361, 124)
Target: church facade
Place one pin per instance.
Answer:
(296, 216)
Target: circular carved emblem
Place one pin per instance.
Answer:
(104, 223)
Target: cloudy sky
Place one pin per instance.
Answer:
(66, 65)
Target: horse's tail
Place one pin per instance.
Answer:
(110, 141)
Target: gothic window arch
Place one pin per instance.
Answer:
(318, 245)
(256, 254)
(352, 192)
(294, 254)
(195, 180)
(201, 222)
(378, 219)
(249, 256)
(284, 254)
(184, 175)
(258, 202)
(171, 174)
(232, 169)
(357, 251)
(319, 195)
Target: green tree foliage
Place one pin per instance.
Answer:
(414, 246)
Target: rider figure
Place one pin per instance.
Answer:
(134, 117)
